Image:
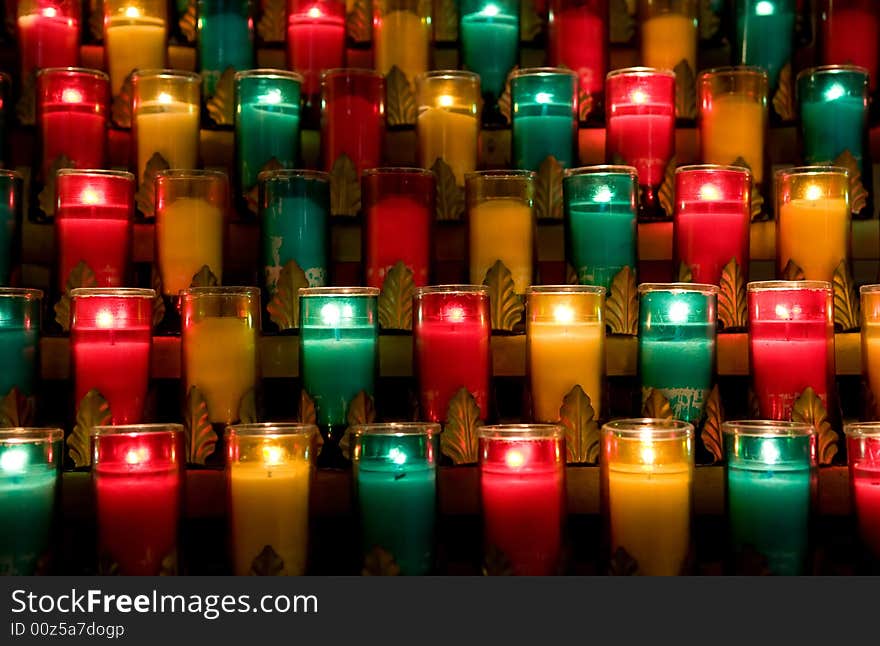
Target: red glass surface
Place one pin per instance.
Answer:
(353, 117)
(851, 35)
(48, 34)
(315, 39)
(577, 39)
(863, 453)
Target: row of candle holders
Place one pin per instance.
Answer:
(647, 473)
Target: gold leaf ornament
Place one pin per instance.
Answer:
(496, 563)
(710, 434)
(120, 108)
(622, 23)
(732, 298)
(585, 104)
(188, 22)
(201, 440)
(16, 409)
(400, 101)
(92, 411)
(571, 275)
(359, 21)
(756, 199)
(450, 196)
(47, 195)
(655, 405)
(667, 188)
(361, 410)
(685, 92)
(710, 22)
(221, 106)
(846, 299)
(809, 409)
(145, 198)
(622, 564)
(506, 307)
(685, 275)
(380, 562)
(159, 299)
(267, 563)
(445, 20)
(345, 188)
(395, 299)
(272, 22)
(252, 195)
(308, 414)
(581, 429)
(247, 408)
(622, 305)
(204, 277)
(792, 271)
(283, 309)
(783, 98)
(858, 194)
(530, 22)
(80, 276)
(459, 438)
(548, 190)
(504, 101)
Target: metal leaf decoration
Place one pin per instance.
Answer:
(622, 564)
(571, 275)
(92, 411)
(496, 563)
(345, 188)
(380, 562)
(622, 305)
(809, 409)
(530, 22)
(667, 188)
(272, 22)
(221, 106)
(120, 109)
(846, 299)
(400, 101)
(548, 190)
(188, 22)
(16, 409)
(26, 107)
(710, 435)
(655, 405)
(308, 414)
(504, 105)
(169, 566)
(267, 563)
(107, 566)
(685, 275)
(201, 440)
(284, 307)
(585, 104)
(445, 20)
(581, 429)
(623, 25)
(252, 196)
(506, 307)
(450, 196)
(395, 299)
(145, 198)
(685, 91)
(459, 438)
(80, 276)
(792, 271)
(159, 300)
(756, 199)
(753, 405)
(47, 196)
(204, 277)
(361, 410)
(858, 194)
(732, 303)
(710, 22)
(783, 99)
(247, 408)
(358, 22)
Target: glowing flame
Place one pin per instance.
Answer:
(603, 194)
(13, 460)
(834, 92)
(70, 95)
(515, 459)
(104, 319)
(132, 12)
(136, 456)
(769, 452)
(765, 8)
(709, 192)
(813, 192)
(638, 96)
(90, 196)
(563, 314)
(272, 97)
(490, 10)
(397, 456)
(314, 12)
(648, 454)
(272, 455)
(455, 313)
(164, 97)
(50, 12)
(445, 101)
(543, 97)
(678, 312)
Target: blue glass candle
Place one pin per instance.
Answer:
(19, 336)
(10, 218)
(765, 35)
(544, 115)
(677, 344)
(489, 34)
(226, 39)
(770, 469)
(395, 467)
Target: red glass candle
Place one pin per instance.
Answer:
(315, 41)
(522, 485)
(352, 117)
(93, 223)
(863, 455)
(452, 346)
(110, 341)
(72, 116)
(850, 35)
(399, 208)
(791, 343)
(138, 478)
(48, 34)
(712, 217)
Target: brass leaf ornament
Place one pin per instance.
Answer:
(846, 299)
(358, 22)
(571, 275)
(247, 408)
(395, 299)
(221, 106)
(445, 20)
(204, 277)
(92, 411)
(530, 21)
(622, 23)
(252, 195)
(622, 564)
(506, 307)
(585, 104)
(188, 22)
(504, 105)
(272, 24)
(16, 409)
(685, 92)
(120, 108)
(622, 305)
(158, 300)
(710, 22)
(783, 99)
(80, 276)
(710, 435)
(655, 405)
(496, 563)
(792, 271)
(145, 198)
(809, 409)
(459, 438)
(345, 187)
(201, 440)
(666, 195)
(732, 298)
(685, 275)
(267, 563)
(47, 196)
(283, 309)
(169, 565)
(581, 429)
(756, 199)
(400, 101)
(450, 196)
(361, 410)
(858, 194)
(380, 562)
(308, 414)
(548, 190)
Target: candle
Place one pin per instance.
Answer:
(565, 346)
(19, 338)
(501, 224)
(165, 112)
(677, 344)
(395, 472)
(93, 224)
(268, 478)
(402, 36)
(448, 122)
(110, 343)
(522, 489)
(770, 478)
(266, 122)
(30, 466)
(712, 220)
(870, 326)
(352, 117)
(451, 347)
(295, 217)
(134, 38)
(647, 481)
(850, 34)
(489, 39)
(544, 116)
(863, 457)
(791, 343)
(226, 39)
(640, 118)
(764, 35)
(813, 221)
(138, 478)
(668, 33)
(11, 186)
(48, 34)
(601, 210)
(399, 209)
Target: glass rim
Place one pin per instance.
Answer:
(833, 69)
(733, 70)
(813, 170)
(767, 428)
(547, 70)
(705, 168)
(448, 74)
(351, 71)
(397, 429)
(221, 290)
(270, 429)
(788, 285)
(659, 429)
(640, 70)
(137, 429)
(602, 169)
(702, 288)
(269, 73)
(166, 74)
(511, 173)
(114, 292)
(523, 432)
(290, 173)
(72, 69)
(8, 172)
(336, 292)
(597, 290)
(397, 170)
(862, 429)
(451, 289)
(191, 173)
(869, 289)
(28, 434)
(25, 293)
(96, 172)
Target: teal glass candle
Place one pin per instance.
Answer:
(19, 336)
(677, 344)
(226, 39)
(395, 475)
(544, 116)
(295, 218)
(601, 211)
(30, 464)
(770, 470)
(489, 36)
(765, 35)
(10, 220)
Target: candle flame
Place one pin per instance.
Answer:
(397, 456)
(769, 452)
(455, 314)
(104, 319)
(314, 12)
(90, 196)
(709, 192)
(648, 454)
(514, 459)
(136, 456)
(50, 12)
(272, 97)
(638, 96)
(272, 455)
(13, 460)
(445, 101)
(603, 194)
(543, 97)
(765, 8)
(332, 314)
(563, 314)
(679, 312)
(164, 97)
(834, 92)
(70, 95)
(490, 10)
(786, 313)
(132, 12)
(813, 192)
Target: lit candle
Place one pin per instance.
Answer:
(48, 34)
(544, 116)
(870, 325)
(395, 472)
(269, 471)
(770, 478)
(225, 37)
(134, 38)
(402, 36)
(668, 33)
(647, 480)
(138, 477)
(764, 35)
(791, 343)
(11, 186)
(489, 40)
(850, 33)
(863, 456)
(19, 338)
(352, 117)
(522, 488)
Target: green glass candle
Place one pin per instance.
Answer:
(30, 463)
(395, 468)
(601, 210)
(544, 116)
(266, 121)
(677, 344)
(765, 35)
(489, 35)
(226, 39)
(10, 220)
(770, 469)
(19, 336)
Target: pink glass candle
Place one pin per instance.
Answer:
(863, 455)
(48, 34)
(352, 117)
(315, 41)
(791, 343)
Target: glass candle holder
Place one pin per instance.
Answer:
(489, 39)
(402, 36)
(544, 116)
(19, 339)
(110, 343)
(813, 220)
(295, 216)
(647, 472)
(452, 335)
(863, 456)
(225, 38)
(501, 224)
(448, 123)
(732, 108)
(668, 31)
(11, 185)
(565, 346)
(395, 474)
(677, 344)
(269, 470)
(352, 117)
(870, 327)
(577, 38)
(267, 122)
(850, 34)
(640, 120)
(30, 469)
(138, 476)
(713, 213)
(48, 34)
(399, 209)
(791, 343)
(93, 224)
(522, 490)
(135, 38)
(764, 35)
(770, 480)
(601, 215)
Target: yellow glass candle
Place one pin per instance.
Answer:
(135, 37)
(870, 296)
(813, 219)
(501, 224)
(448, 124)
(565, 345)
(268, 476)
(647, 480)
(402, 36)
(668, 33)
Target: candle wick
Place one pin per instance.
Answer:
(398, 476)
